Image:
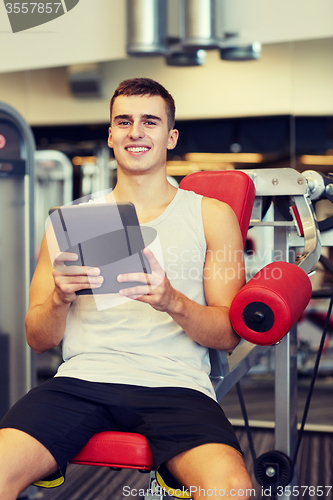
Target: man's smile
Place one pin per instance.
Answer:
(137, 149)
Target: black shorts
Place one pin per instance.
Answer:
(63, 413)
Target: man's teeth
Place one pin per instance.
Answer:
(137, 150)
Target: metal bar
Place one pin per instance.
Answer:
(285, 374)
(312, 245)
(271, 223)
(250, 354)
(277, 181)
(219, 364)
(286, 397)
(154, 492)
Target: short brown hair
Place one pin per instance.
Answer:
(146, 86)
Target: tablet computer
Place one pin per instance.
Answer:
(107, 236)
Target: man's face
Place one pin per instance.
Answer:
(139, 133)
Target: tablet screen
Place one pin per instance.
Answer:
(107, 236)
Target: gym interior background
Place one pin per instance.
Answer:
(257, 93)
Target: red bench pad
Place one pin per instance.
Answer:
(116, 449)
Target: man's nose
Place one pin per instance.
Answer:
(136, 131)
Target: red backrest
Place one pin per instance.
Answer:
(231, 186)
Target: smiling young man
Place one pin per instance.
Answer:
(143, 365)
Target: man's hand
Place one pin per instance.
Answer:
(156, 289)
(70, 279)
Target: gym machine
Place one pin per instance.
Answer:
(53, 187)
(17, 263)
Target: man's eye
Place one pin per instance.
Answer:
(150, 123)
(123, 123)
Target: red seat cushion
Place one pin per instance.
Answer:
(230, 186)
(116, 449)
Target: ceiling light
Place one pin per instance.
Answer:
(199, 25)
(225, 157)
(247, 52)
(317, 160)
(146, 28)
(179, 57)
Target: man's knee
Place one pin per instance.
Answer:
(237, 486)
(241, 487)
(212, 471)
(23, 460)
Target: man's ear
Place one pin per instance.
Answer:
(173, 138)
(110, 142)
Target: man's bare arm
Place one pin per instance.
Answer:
(52, 292)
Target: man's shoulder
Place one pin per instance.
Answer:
(217, 215)
(217, 207)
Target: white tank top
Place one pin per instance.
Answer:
(132, 343)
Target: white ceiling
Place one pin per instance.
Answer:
(95, 30)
